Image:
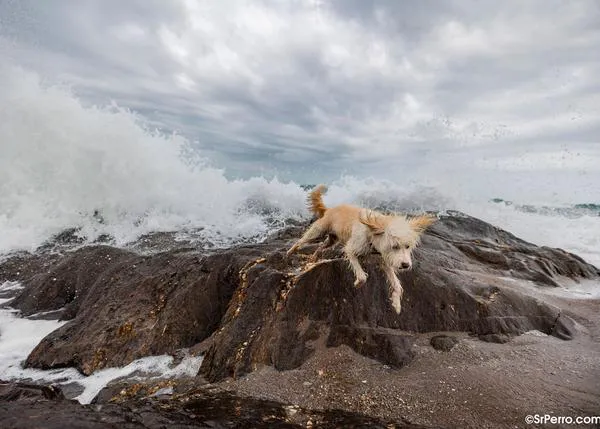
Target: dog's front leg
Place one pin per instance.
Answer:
(395, 287)
(359, 273)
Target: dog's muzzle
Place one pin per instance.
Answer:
(403, 268)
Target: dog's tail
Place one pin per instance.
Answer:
(315, 201)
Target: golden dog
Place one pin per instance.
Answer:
(361, 231)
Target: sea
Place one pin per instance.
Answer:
(104, 171)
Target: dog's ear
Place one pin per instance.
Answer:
(421, 223)
(368, 218)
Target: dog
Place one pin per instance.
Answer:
(362, 231)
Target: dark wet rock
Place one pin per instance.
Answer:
(261, 413)
(23, 266)
(15, 391)
(104, 239)
(278, 316)
(160, 242)
(31, 407)
(125, 306)
(65, 283)
(126, 390)
(72, 390)
(443, 343)
(495, 338)
(250, 306)
(385, 345)
(563, 327)
(67, 237)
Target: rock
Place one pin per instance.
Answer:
(495, 338)
(250, 306)
(165, 391)
(125, 390)
(278, 315)
(195, 409)
(15, 391)
(125, 306)
(385, 345)
(65, 283)
(443, 343)
(23, 266)
(72, 390)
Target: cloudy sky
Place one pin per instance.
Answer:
(447, 91)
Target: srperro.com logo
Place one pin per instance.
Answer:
(557, 420)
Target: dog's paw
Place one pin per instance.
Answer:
(290, 253)
(360, 280)
(396, 299)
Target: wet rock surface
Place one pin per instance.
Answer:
(249, 308)
(122, 306)
(279, 311)
(26, 406)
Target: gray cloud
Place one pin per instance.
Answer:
(312, 89)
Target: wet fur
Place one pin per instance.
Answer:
(361, 231)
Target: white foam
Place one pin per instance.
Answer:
(62, 161)
(10, 285)
(586, 289)
(370, 192)
(19, 336)
(579, 235)
(151, 366)
(571, 289)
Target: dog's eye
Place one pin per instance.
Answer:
(407, 246)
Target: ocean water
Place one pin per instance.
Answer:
(105, 171)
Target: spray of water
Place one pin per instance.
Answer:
(102, 170)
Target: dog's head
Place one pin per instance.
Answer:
(395, 236)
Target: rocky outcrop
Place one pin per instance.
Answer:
(123, 306)
(248, 306)
(277, 317)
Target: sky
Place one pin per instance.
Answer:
(461, 93)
